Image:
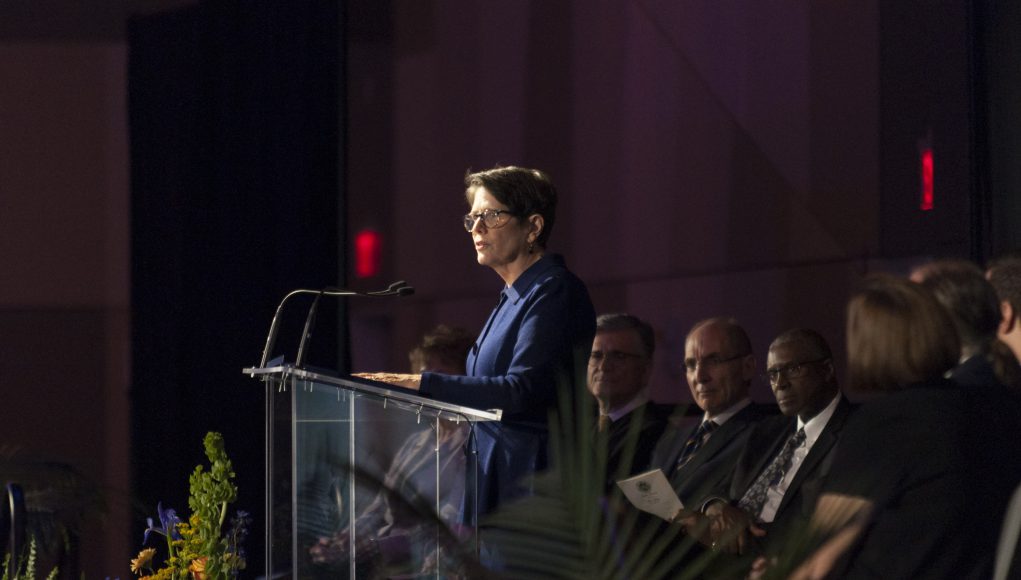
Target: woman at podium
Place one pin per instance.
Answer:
(537, 336)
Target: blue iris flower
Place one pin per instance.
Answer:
(168, 524)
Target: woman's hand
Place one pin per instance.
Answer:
(408, 381)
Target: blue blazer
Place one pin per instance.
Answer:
(538, 337)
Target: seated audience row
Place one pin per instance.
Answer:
(918, 460)
(912, 483)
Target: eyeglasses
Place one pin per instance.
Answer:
(596, 357)
(792, 371)
(493, 218)
(710, 362)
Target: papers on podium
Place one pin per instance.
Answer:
(651, 492)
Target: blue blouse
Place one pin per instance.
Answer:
(537, 338)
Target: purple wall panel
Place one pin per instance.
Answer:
(699, 173)
(64, 295)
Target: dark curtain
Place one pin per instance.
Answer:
(997, 49)
(236, 120)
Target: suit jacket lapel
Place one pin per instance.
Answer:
(718, 440)
(618, 431)
(668, 451)
(827, 439)
(764, 456)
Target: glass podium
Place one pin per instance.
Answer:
(363, 479)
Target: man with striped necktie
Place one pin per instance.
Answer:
(772, 492)
(719, 366)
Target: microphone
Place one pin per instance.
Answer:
(399, 288)
(395, 285)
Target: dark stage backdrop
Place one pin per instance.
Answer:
(235, 112)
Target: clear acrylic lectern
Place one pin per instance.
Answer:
(364, 480)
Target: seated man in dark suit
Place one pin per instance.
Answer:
(699, 456)
(619, 369)
(773, 490)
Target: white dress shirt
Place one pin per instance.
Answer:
(813, 428)
(726, 415)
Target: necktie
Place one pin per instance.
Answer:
(697, 440)
(755, 497)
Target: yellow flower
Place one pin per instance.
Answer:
(143, 559)
(163, 574)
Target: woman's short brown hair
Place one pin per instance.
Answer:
(524, 191)
(898, 334)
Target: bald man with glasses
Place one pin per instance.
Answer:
(719, 366)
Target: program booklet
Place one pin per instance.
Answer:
(652, 493)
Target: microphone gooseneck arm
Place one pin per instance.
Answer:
(306, 334)
(274, 327)
(399, 288)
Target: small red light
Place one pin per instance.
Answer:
(368, 250)
(927, 168)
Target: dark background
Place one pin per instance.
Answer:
(169, 170)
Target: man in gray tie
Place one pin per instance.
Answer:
(773, 489)
(719, 366)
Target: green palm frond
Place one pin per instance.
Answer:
(27, 564)
(570, 528)
(59, 500)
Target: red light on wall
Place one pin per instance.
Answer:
(926, 174)
(368, 252)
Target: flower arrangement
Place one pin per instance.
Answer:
(198, 548)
